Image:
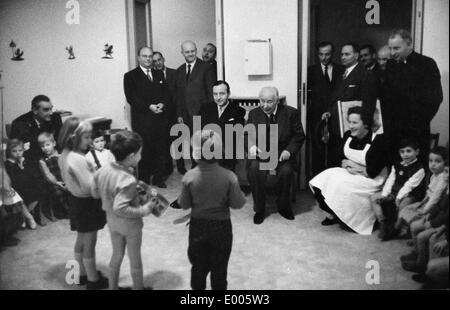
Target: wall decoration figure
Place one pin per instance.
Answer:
(108, 49)
(69, 49)
(16, 52)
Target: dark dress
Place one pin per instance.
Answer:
(27, 181)
(55, 196)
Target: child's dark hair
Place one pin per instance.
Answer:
(409, 142)
(12, 143)
(441, 151)
(125, 143)
(98, 133)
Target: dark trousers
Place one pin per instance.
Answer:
(334, 150)
(154, 157)
(257, 179)
(209, 250)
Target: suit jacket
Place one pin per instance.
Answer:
(171, 80)
(320, 91)
(359, 85)
(26, 130)
(290, 130)
(192, 94)
(233, 115)
(141, 93)
(413, 90)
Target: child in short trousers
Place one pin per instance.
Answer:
(55, 188)
(210, 191)
(403, 187)
(438, 160)
(117, 187)
(99, 156)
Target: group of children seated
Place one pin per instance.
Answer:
(31, 190)
(94, 186)
(415, 205)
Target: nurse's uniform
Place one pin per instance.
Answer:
(348, 195)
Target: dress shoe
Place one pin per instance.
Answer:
(11, 242)
(420, 277)
(329, 222)
(411, 265)
(411, 256)
(287, 214)
(159, 184)
(258, 218)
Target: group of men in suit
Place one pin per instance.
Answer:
(160, 97)
(406, 83)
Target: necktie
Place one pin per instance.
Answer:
(149, 76)
(327, 77)
(189, 72)
(345, 74)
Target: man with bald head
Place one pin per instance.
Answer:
(149, 98)
(195, 80)
(414, 91)
(290, 139)
(383, 55)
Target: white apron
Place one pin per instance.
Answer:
(348, 195)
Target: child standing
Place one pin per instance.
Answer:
(403, 187)
(118, 189)
(25, 179)
(85, 213)
(436, 187)
(55, 188)
(210, 191)
(99, 156)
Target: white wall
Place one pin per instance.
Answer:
(174, 21)
(262, 19)
(436, 45)
(87, 85)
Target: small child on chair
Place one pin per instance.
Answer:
(99, 155)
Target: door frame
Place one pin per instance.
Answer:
(131, 29)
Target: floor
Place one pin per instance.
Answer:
(279, 254)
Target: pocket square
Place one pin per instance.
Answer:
(231, 119)
(351, 86)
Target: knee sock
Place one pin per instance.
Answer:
(91, 269)
(138, 278)
(79, 259)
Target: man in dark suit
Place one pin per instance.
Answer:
(209, 56)
(148, 95)
(290, 139)
(195, 80)
(223, 112)
(28, 126)
(322, 79)
(414, 91)
(170, 77)
(356, 84)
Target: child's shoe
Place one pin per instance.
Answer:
(11, 241)
(411, 265)
(100, 284)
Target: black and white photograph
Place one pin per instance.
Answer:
(224, 145)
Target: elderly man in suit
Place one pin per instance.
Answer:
(170, 77)
(322, 79)
(356, 84)
(414, 91)
(28, 126)
(148, 95)
(221, 113)
(195, 80)
(289, 141)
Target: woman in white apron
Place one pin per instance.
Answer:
(345, 192)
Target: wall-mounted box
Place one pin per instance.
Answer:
(258, 57)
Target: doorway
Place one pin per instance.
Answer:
(344, 21)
